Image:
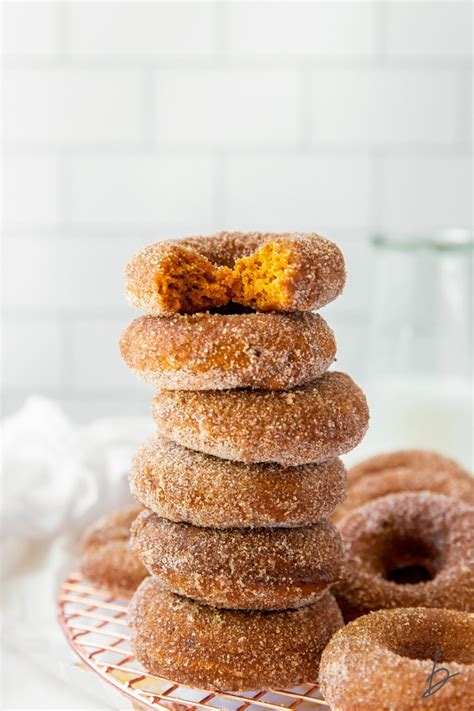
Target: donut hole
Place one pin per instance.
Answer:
(188, 282)
(409, 561)
(409, 575)
(262, 279)
(231, 309)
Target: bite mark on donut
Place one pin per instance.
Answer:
(187, 282)
(263, 280)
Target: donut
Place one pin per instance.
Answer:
(385, 661)
(233, 650)
(106, 558)
(437, 474)
(416, 460)
(408, 550)
(218, 351)
(263, 271)
(240, 568)
(310, 423)
(182, 485)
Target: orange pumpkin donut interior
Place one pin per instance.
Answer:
(187, 282)
(262, 271)
(263, 280)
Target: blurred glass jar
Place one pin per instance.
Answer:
(420, 364)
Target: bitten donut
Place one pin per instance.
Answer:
(232, 650)
(311, 423)
(406, 471)
(106, 558)
(182, 485)
(408, 550)
(385, 660)
(216, 351)
(263, 271)
(240, 568)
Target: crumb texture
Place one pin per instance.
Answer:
(268, 272)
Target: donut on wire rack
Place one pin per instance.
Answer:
(106, 558)
(408, 550)
(228, 650)
(407, 470)
(387, 660)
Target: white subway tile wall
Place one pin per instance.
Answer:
(73, 106)
(129, 122)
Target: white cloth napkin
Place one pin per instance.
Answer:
(56, 478)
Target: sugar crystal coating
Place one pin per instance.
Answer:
(234, 650)
(311, 423)
(183, 485)
(411, 459)
(106, 557)
(218, 351)
(396, 472)
(384, 661)
(195, 273)
(246, 568)
(423, 532)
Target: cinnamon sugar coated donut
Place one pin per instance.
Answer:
(263, 271)
(385, 660)
(233, 650)
(106, 558)
(415, 460)
(182, 485)
(408, 550)
(311, 423)
(241, 568)
(438, 474)
(209, 351)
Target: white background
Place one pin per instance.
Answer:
(129, 122)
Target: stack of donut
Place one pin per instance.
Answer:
(243, 473)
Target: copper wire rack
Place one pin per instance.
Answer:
(95, 625)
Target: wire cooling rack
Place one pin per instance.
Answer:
(95, 625)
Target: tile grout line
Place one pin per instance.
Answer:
(190, 62)
(463, 137)
(149, 108)
(65, 191)
(221, 34)
(220, 190)
(376, 190)
(67, 360)
(62, 11)
(306, 107)
(380, 33)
